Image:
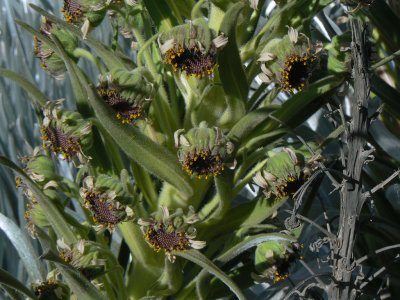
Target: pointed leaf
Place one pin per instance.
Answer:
(153, 157)
(297, 109)
(161, 14)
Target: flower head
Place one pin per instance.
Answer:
(34, 214)
(203, 152)
(125, 111)
(127, 93)
(191, 60)
(85, 256)
(50, 61)
(290, 62)
(77, 11)
(274, 259)
(50, 289)
(283, 174)
(72, 10)
(41, 170)
(65, 132)
(102, 197)
(171, 233)
(192, 48)
(88, 13)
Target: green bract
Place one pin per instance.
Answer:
(88, 257)
(339, 59)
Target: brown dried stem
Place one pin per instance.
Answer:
(351, 192)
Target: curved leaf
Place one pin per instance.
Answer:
(10, 281)
(249, 243)
(55, 218)
(239, 249)
(29, 87)
(24, 248)
(199, 259)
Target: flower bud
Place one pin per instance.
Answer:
(273, 260)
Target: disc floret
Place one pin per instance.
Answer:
(50, 289)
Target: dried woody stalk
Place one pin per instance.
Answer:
(351, 192)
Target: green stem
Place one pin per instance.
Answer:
(385, 60)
